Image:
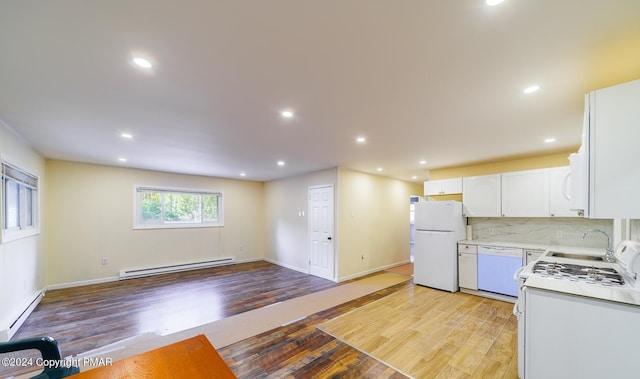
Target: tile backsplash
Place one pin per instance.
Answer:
(548, 231)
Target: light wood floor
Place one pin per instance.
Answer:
(427, 333)
(84, 317)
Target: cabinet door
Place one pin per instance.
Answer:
(481, 196)
(525, 193)
(614, 134)
(468, 271)
(432, 187)
(559, 192)
(451, 186)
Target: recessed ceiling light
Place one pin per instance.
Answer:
(492, 3)
(361, 140)
(243, 173)
(549, 140)
(280, 163)
(379, 169)
(287, 114)
(414, 177)
(126, 135)
(531, 89)
(423, 162)
(122, 159)
(142, 62)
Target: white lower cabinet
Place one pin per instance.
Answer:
(569, 336)
(468, 266)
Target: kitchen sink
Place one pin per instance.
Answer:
(576, 256)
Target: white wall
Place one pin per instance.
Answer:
(373, 222)
(286, 234)
(22, 261)
(90, 216)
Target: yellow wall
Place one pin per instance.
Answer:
(90, 216)
(531, 163)
(498, 167)
(373, 221)
(286, 227)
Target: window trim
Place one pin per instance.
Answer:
(25, 180)
(137, 208)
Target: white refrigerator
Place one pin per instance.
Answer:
(439, 225)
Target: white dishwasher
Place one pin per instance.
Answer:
(496, 266)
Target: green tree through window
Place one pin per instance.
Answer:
(164, 207)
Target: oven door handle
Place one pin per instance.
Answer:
(516, 275)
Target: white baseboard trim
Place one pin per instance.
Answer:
(116, 278)
(294, 268)
(82, 283)
(17, 320)
(371, 271)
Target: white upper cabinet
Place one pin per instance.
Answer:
(443, 187)
(481, 196)
(525, 193)
(559, 192)
(614, 152)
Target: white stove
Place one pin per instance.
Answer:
(589, 269)
(606, 276)
(603, 294)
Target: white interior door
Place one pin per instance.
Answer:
(321, 260)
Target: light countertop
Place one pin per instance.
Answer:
(537, 246)
(614, 294)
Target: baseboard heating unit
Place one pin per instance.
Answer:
(6, 334)
(129, 274)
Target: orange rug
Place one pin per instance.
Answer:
(403, 270)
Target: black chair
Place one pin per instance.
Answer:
(50, 352)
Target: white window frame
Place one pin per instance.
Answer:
(25, 181)
(138, 223)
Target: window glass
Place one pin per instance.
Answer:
(12, 205)
(19, 203)
(151, 207)
(162, 208)
(210, 208)
(181, 207)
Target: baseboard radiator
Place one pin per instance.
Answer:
(129, 274)
(6, 334)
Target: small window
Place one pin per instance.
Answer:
(176, 208)
(19, 203)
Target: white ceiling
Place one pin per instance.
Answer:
(439, 80)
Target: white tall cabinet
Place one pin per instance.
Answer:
(613, 144)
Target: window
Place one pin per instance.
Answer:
(176, 208)
(19, 203)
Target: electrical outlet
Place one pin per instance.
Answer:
(105, 261)
(362, 257)
(559, 233)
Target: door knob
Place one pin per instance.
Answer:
(329, 238)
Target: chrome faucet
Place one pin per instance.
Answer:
(609, 254)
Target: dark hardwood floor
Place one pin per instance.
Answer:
(87, 317)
